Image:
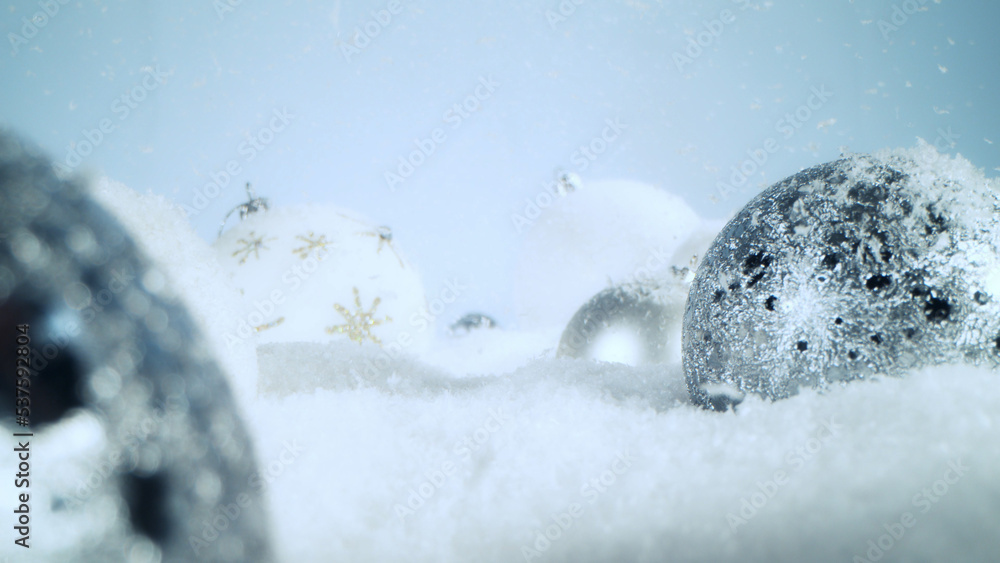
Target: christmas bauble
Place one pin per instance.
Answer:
(128, 436)
(635, 323)
(872, 264)
(317, 273)
(602, 232)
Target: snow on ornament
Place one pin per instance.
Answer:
(872, 264)
(598, 232)
(635, 323)
(318, 272)
(191, 271)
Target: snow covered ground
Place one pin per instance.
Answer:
(568, 461)
(486, 447)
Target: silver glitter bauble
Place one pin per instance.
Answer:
(154, 461)
(872, 264)
(635, 323)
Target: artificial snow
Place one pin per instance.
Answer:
(408, 464)
(186, 269)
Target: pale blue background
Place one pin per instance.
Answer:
(558, 84)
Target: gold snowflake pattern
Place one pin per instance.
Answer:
(360, 322)
(312, 243)
(271, 324)
(251, 244)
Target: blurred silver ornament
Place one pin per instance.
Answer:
(567, 182)
(635, 323)
(872, 264)
(154, 458)
(471, 322)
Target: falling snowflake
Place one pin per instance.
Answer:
(251, 244)
(359, 323)
(312, 243)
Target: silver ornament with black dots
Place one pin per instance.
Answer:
(872, 264)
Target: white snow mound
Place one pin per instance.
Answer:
(408, 463)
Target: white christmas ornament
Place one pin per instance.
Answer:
(318, 273)
(601, 233)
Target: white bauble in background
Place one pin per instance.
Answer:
(318, 273)
(601, 234)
